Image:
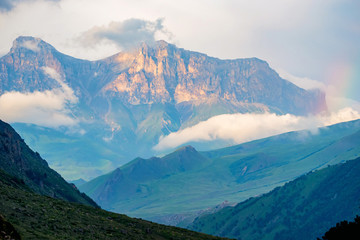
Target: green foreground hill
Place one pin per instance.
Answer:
(18, 160)
(36, 216)
(302, 209)
(37, 203)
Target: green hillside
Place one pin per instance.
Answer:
(34, 216)
(18, 160)
(302, 209)
(37, 203)
(60, 148)
(154, 189)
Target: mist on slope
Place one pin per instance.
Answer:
(239, 128)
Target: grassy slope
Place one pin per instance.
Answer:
(85, 155)
(132, 178)
(302, 209)
(39, 217)
(18, 160)
(232, 174)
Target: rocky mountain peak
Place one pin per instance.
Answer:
(161, 44)
(187, 148)
(162, 73)
(33, 44)
(155, 50)
(25, 67)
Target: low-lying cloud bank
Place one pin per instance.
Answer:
(49, 108)
(240, 128)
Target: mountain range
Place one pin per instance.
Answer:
(126, 102)
(176, 188)
(88, 118)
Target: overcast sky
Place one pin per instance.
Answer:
(312, 39)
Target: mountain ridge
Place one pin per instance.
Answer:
(133, 177)
(230, 174)
(174, 71)
(129, 100)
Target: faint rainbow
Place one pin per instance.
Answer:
(343, 80)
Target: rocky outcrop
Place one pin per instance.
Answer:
(163, 73)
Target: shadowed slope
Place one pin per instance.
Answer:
(33, 216)
(18, 160)
(302, 209)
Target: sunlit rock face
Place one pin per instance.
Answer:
(20, 67)
(162, 73)
(128, 100)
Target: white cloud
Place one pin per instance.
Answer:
(125, 34)
(335, 98)
(67, 94)
(48, 108)
(343, 115)
(32, 45)
(240, 128)
(335, 102)
(303, 82)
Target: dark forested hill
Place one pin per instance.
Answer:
(27, 215)
(302, 209)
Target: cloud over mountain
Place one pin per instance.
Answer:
(125, 33)
(48, 108)
(240, 128)
(303, 82)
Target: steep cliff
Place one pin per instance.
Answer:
(164, 73)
